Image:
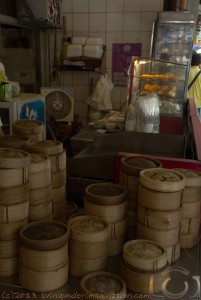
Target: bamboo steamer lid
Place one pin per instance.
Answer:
(44, 235)
(10, 231)
(14, 141)
(40, 196)
(58, 178)
(165, 238)
(193, 178)
(14, 213)
(9, 266)
(9, 248)
(27, 127)
(144, 254)
(45, 281)
(42, 261)
(143, 282)
(47, 147)
(14, 195)
(103, 285)
(105, 193)
(39, 171)
(81, 266)
(162, 180)
(159, 200)
(88, 228)
(133, 165)
(14, 158)
(162, 220)
(109, 213)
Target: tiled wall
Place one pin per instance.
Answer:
(116, 21)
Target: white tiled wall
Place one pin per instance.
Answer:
(116, 21)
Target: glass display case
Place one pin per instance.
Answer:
(165, 79)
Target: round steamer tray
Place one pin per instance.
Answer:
(14, 158)
(132, 165)
(105, 193)
(162, 180)
(44, 235)
(27, 127)
(103, 285)
(144, 254)
(47, 147)
(193, 178)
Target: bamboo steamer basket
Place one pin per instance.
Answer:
(80, 267)
(144, 255)
(14, 195)
(58, 161)
(88, 236)
(34, 138)
(190, 209)
(109, 213)
(41, 211)
(193, 178)
(10, 231)
(43, 261)
(159, 201)
(102, 285)
(173, 253)
(133, 165)
(27, 127)
(47, 147)
(9, 266)
(58, 178)
(14, 141)
(45, 281)
(71, 208)
(13, 177)
(39, 171)
(59, 209)
(190, 225)
(14, 213)
(163, 220)
(191, 194)
(117, 229)
(188, 241)
(59, 194)
(40, 196)
(106, 194)
(14, 158)
(131, 201)
(165, 238)
(9, 249)
(162, 180)
(129, 182)
(44, 235)
(143, 282)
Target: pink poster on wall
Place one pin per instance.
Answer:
(121, 57)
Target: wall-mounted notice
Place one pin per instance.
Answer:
(121, 58)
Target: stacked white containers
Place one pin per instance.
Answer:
(14, 206)
(57, 154)
(159, 210)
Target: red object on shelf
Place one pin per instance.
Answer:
(171, 125)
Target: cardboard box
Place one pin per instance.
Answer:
(5, 91)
